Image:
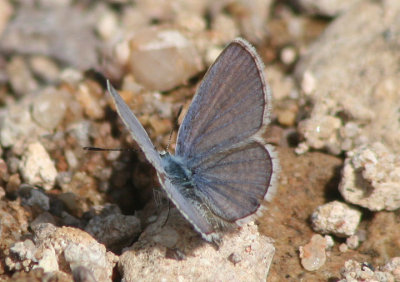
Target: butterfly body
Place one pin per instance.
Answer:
(222, 170)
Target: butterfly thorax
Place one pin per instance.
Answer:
(176, 170)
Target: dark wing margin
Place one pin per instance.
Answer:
(137, 131)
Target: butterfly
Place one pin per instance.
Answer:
(222, 170)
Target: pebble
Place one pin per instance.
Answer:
(336, 218)
(371, 177)
(179, 57)
(34, 197)
(114, 230)
(37, 168)
(45, 68)
(313, 255)
(353, 242)
(21, 78)
(62, 249)
(48, 108)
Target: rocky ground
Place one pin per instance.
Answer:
(70, 214)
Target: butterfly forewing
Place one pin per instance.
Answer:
(137, 131)
(228, 108)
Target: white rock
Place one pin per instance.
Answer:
(371, 177)
(37, 168)
(244, 255)
(336, 218)
(325, 7)
(354, 271)
(357, 81)
(162, 59)
(313, 254)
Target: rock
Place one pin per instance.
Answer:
(114, 229)
(48, 108)
(393, 266)
(37, 168)
(226, 29)
(34, 197)
(162, 59)
(252, 16)
(313, 254)
(13, 223)
(62, 249)
(21, 78)
(354, 82)
(354, 271)
(353, 242)
(371, 177)
(6, 11)
(383, 237)
(336, 218)
(45, 68)
(17, 127)
(194, 258)
(89, 96)
(42, 31)
(327, 8)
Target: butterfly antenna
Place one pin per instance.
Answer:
(175, 127)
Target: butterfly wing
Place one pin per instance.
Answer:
(190, 207)
(137, 131)
(220, 137)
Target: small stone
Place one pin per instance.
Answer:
(90, 102)
(13, 184)
(6, 11)
(48, 108)
(371, 177)
(72, 160)
(287, 117)
(107, 25)
(114, 230)
(288, 55)
(33, 197)
(329, 241)
(336, 218)
(252, 16)
(192, 22)
(357, 271)
(234, 258)
(393, 266)
(225, 27)
(212, 54)
(37, 168)
(325, 8)
(322, 132)
(18, 126)
(308, 84)
(38, 31)
(21, 79)
(353, 242)
(313, 254)
(45, 68)
(343, 248)
(83, 274)
(162, 59)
